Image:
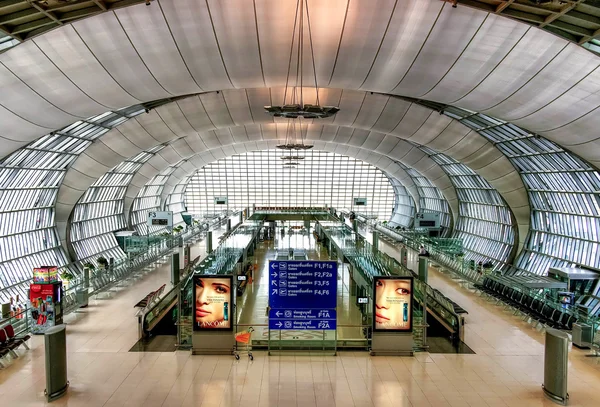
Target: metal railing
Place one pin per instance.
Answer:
(371, 262)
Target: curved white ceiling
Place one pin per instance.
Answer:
(418, 48)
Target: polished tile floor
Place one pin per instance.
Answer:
(507, 369)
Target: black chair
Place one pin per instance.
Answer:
(533, 310)
(548, 313)
(557, 318)
(564, 321)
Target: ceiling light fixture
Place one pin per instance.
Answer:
(294, 107)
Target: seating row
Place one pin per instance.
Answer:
(9, 342)
(525, 303)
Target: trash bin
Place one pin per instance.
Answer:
(55, 339)
(556, 360)
(582, 336)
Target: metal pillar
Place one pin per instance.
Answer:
(423, 268)
(404, 256)
(175, 268)
(375, 240)
(228, 225)
(209, 242)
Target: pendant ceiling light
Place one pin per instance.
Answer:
(294, 107)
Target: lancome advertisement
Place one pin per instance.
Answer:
(213, 307)
(393, 304)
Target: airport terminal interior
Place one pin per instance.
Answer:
(300, 203)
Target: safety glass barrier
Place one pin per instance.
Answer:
(468, 270)
(225, 259)
(19, 319)
(370, 262)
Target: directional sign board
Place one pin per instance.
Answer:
(302, 294)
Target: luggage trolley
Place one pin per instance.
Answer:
(244, 337)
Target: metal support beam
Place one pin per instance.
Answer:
(45, 12)
(100, 4)
(562, 12)
(502, 6)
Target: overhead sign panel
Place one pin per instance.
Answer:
(427, 220)
(160, 218)
(302, 294)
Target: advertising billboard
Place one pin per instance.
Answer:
(213, 309)
(393, 303)
(45, 274)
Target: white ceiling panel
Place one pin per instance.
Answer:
(224, 136)
(550, 83)
(275, 24)
(169, 154)
(394, 112)
(45, 79)
(365, 25)
(410, 25)
(26, 103)
(371, 110)
(105, 38)
(71, 55)
(578, 101)
(195, 113)
(216, 108)
(156, 47)
(491, 43)
(343, 135)
(156, 127)
(527, 58)
(437, 125)
(441, 50)
(175, 120)
(373, 140)
(412, 121)
(237, 104)
(235, 26)
(190, 24)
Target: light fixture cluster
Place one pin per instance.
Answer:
(294, 107)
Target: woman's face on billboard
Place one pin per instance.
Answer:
(389, 297)
(211, 294)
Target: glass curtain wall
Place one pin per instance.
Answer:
(404, 208)
(101, 212)
(484, 222)
(262, 178)
(148, 199)
(431, 198)
(29, 182)
(563, 195)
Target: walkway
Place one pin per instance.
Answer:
(506, 371)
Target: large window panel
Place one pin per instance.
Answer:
(321, 178)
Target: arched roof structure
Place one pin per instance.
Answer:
(213, 65)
